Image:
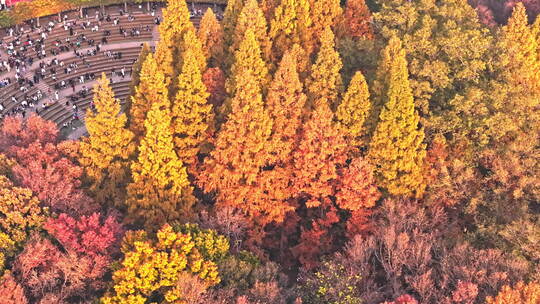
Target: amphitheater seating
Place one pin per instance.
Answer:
(59, 112)
(61, 34)
(97, 63)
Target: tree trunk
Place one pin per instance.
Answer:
(37, 19)
(125, 7)
(80, 12)
(148, 6)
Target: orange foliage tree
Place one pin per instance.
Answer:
(357, 20)
(211, 36)
(323, 190)
(233, 167)
(521, 293)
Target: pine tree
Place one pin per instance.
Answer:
(175, 24)
(291, 25)
(358, 19)
(191, 112)
(211, 36)
(106, 152)
(324, 13)
(520, 45)
(354, 109)
(233, 167)
(152, 88)
(160, 191)
(247, 58)
(325, 83)
(396, 148)
(252, 17)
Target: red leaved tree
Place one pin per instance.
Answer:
(18, 133)
(54, 178)
(49, 274)
(89, 235)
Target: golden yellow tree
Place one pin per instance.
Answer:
(325, 83)
(136, 70)
(247, 59)
(211, 36)
(252, 17)
(21, 214)
(191, 112)
(160, 190)
(106, 152)
(230, 18)
(396, 149)
(152, 88)
(324, 13)
(158, 267)
(291, 25)
(172, 29)
(354, 109)
(519, 42)
(191, 42)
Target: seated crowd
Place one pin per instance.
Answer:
(30, 42)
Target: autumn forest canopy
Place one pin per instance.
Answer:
(292, 151)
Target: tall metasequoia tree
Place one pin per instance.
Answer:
(105, 153)
(191, 42)
(152, 88)
(325, 84)
(320, 151)
(211, 36)
(324, 13)
(191, 112)
(285, 103)
(230, 18)
(172, 30)
(291, 25)
(233, 167)
(396, 149)
(247, 58)
(136, 71)
(160, 190)
(520, 45)
(354, 109)
(357, 19)
(252, 17)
